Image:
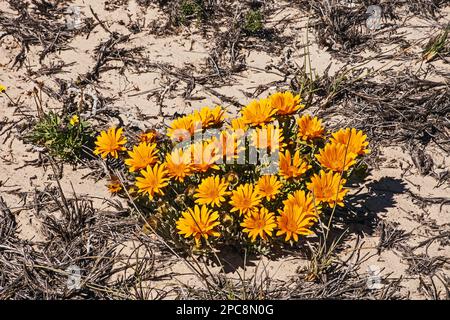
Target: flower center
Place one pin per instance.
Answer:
(259, 224)
(246, 203)
(291, 225)
(213, 193)
(113, 145)
(268, 189)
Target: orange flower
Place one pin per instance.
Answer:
(212, 191)
(114, 186)
(179, 164)
(309, 128)
(182, 129)
(238, 125)
(204, 156)
(259, 223)
(286, 103)
(198, 223)
(258, 112)
(292, 167)
(245, 198)
(328, 187)
(302, 200)
(110, 142)
(293, 221)
(336, 157)
(153, 180)
(210, 117)
(142, 155)
(269, 187)
(356, 140)
(148, 136)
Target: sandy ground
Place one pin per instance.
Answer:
(393, 191)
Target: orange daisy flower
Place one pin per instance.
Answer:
(182, 129)
(178, 164)
(245, 198)
(212, 191)
(269, 187)
(110, 143)
(210, 117)
(328, 187)
(336, 157)
(356, 140)
(153, 180)
(258, 112)
(292, 167)
(309, 128)
(267, 137)
(204, 156)
(302, 200)
(293, 221)
(286, 103)
(228, 145)
(142, 155)
(198, 223)
(259, 223)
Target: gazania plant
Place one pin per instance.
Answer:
(265, 177)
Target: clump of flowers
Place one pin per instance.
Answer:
(266, 176)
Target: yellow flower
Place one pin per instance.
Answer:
(328, 187)
(182, 129)
(2, 88)
(152, 180)
(74, 120)
(142, 155)
(209, 117)
(179, 164)
(114, 186)
(148, 136)
(303, 200)
(269, 187)
(336, 157)
(228, 145)
(245, 198)
(292, 167)
(198, 223)
(258, 112)
(286, 103)
(309, 128)
(267, 137)
(356, 140)
(259, 223)
(238, 125)
(212, 191)
(110, 142)
(293, 221)
(204, 156)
